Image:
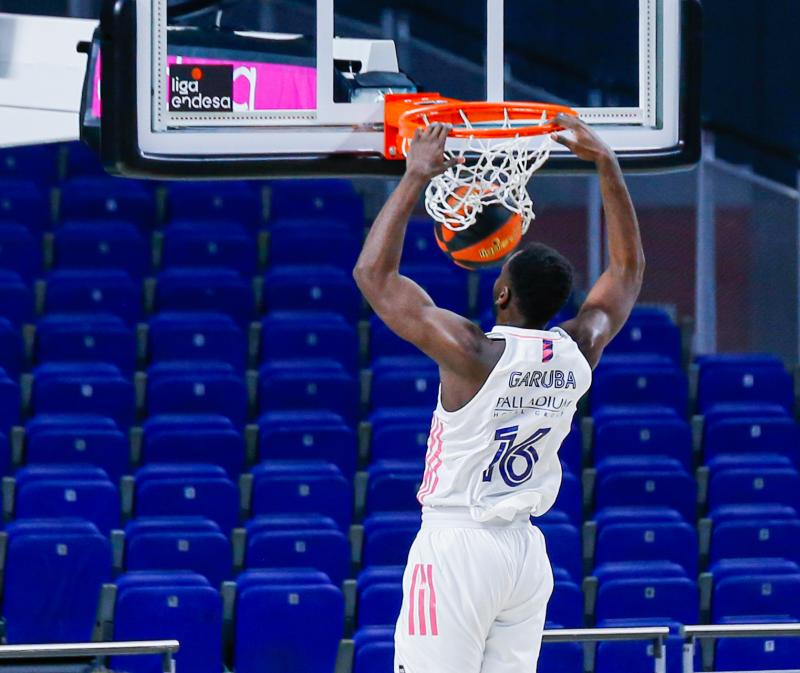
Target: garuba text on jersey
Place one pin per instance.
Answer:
(553, 378)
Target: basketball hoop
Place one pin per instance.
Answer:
(498, 134)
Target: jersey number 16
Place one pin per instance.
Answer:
(514, 461)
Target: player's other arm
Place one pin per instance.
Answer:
(451, 340)
(613, 297)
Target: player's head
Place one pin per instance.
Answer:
(533, 286)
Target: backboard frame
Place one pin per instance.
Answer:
(348, 137)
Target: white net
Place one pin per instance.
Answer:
(499, 176)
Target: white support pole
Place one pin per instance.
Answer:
(495, 50)
(705, 275)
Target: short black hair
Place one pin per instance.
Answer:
(541, 281)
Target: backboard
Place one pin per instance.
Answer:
(296, 87)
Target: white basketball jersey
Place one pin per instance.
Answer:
(498, 455)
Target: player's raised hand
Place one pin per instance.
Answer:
(426, 156)
(586, 143)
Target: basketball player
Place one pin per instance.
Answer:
(478, 579)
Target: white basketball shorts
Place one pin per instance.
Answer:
(474, 597)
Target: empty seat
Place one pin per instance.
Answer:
(178, 543)
(754, 381)
(756, 654)
(30, 162)
(286, 385)
(103, 198)
(648, 335)
(303, 199)
(197, 336)
(272, 632)
(20, 251)
(773, 595)
(318, 288)
(52, 491)
(738, 567)
(335, 243)
(86, 337)
(210, 244)
(380, 595)
(676, 490)
(178, 387)
(24, 202)
(676, 542)
(308, 435)
(187, 490)
(388, 537)
(84, 388)
(155, 610)
(304, 487)
(205, 289)
(756, 538)
(220, 200)
(53, 575)
(100, 245)
(9, 402)
(182, 441)
(287, 335)
(615, 656)
(755, 434)
(564, 548)
(85, 291)
(653, 437)
(11, 349)
(755, 486)
(570, 498)
(565, 606)
(385, 343)
(16, 299)
(673, 598)
(412, 383)
(562, 657)
(447, 286)
(399, 435)
(612, 515)
(620, 385)
(82, 161)
(393, 485)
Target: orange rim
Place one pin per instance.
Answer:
(480, 113)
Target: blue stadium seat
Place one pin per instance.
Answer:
(374, 656)
(197, 336)
(748, 461)
(272, 627)
(210, 244)
(755, 486)
(335, 243)
(622, 570)
(380, 594)
(82, 161)
(385, 343)
(676, 490)
(755, 382)
(184, 442)
(102, 245)
(565, 606)
(756, 538)
(622, 464)
(53, 575)
(103, 198)
(420, 246)
(52, 491)
(676, 542)
(303, 487)
(570, 498)
(296, 576)
(101, 291)
(635, 514)
(755, 434)
(564, 548)
(411, 383)
(393, 485)
(447, 286)
(30, 162)
(308, 435)
(24, 202)
(743, 567)
(189, 613)
(287, 335)
(647, 335)
(9, 402)
(287, 385)
(756, 654)
(674, 598)
(562, 657)
(388, 537)
(320, 548)
(16, 299)
(202, 387)
(205, 289)
(223, 200)
(20, 251)
(83, 388)
(774, 595)
(303, 199)
(11, 349)
(400, 438)
(725, 513)
(185, 489)
(86, 337)
(669, 437)
(292, 521)
(630, 656)
(619, 385)
(178, 543)
(321, 288)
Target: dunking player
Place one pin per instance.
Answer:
(478, 579)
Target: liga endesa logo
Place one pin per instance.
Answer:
(200, 88)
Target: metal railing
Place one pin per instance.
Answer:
(707, 634)
(82, 651)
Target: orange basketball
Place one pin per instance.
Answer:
(494, 236)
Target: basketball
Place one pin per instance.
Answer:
(495, 235)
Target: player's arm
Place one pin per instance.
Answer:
(451, 340)
(614, 295)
